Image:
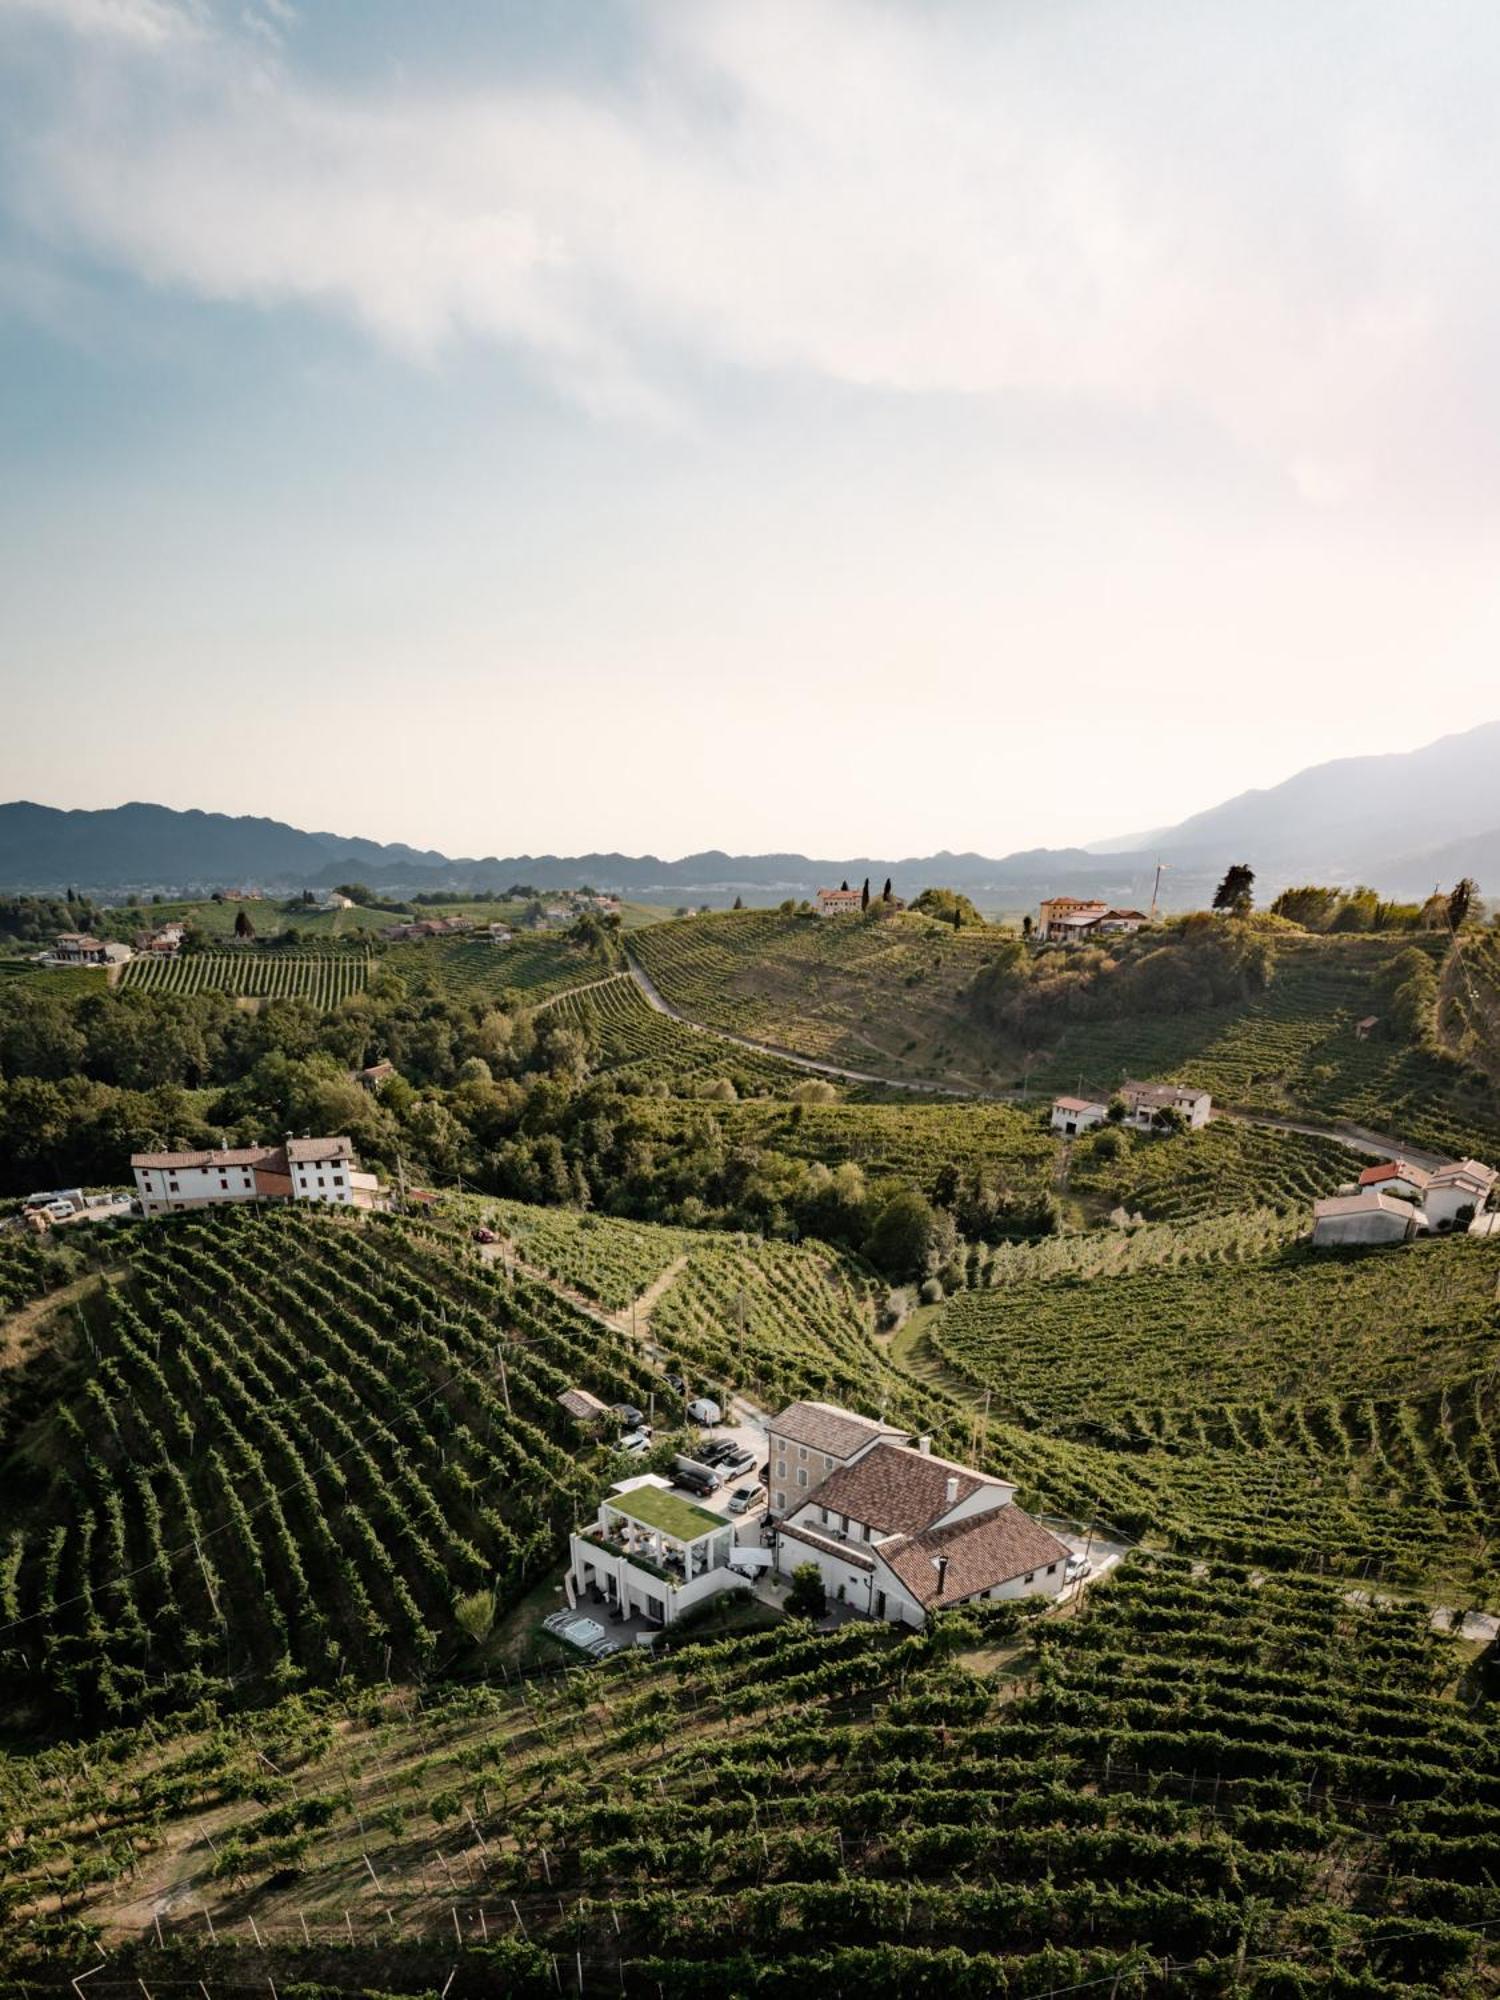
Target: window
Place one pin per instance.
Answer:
(1028, 1576)
(778, 1500)
(1052, 1569)
(781, 1468)
(827, 1463)
(801, 1475)
(802, 1451)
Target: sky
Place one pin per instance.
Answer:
(846, 428)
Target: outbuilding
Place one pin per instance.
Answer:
(1346, 1221)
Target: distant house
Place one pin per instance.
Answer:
(1365, 1028)
(1457, 1193)
(893, 1530)
(840, 902)
(78, 948)
(1397, 1177)
(1371, 1217)
(1144, 1102)
(377, 1075)
(1072, 1115)
(336, 900)
(164, 942)
(1073, 920)
(321, 1170)
(499, 933)
(652, 1553)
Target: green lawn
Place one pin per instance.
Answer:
(656, 1507)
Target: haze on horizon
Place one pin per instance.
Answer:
(799, 426)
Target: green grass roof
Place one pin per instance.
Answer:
(655, 1507)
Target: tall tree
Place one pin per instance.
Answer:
(1461, 901)
(885, 894)
(864, 895)
(243, 928)
(1234, 893)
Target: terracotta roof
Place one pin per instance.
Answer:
(1457, 1171)
(228, 1156)
(1393, 1170)
(898, 1490)
(849, 1552)
(1076, 1104)
(1134, 916)
(825, 1427)
(993, 1548)
(307, 1152)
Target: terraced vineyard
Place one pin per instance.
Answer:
(1207, 1783)
(323, 977)
(1239, 1238)
(893, 997)
(634, 1037)
(1294, 1047)
(529, 968)
(608, 1261)
(1223, 1166)
(866, 995)
(1187, 1333)
(286, 1444)
(29, 1267)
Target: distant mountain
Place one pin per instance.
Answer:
(1400, 822)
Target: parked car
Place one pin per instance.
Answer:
(716, 1451)
(704, 1410)
(676, 1384)
(632, 1418)
(483, 1235)
(744, 1498)
(737, 1460)
(695, 1478)
(637, 1443)
(60, 1211)
(1078, 1568)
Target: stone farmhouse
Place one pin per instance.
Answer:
(1143, 1104)
(896, 1531)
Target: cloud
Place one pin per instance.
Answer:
(145, 22)
(1258, 227)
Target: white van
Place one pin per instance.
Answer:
(705, 1411)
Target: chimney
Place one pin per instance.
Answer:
(940, 1564)
(924, 1445)
(950, 1495)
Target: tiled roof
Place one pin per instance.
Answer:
(897, 1490)
(824, 1427)
(1373, 1201)
(1076, 1104)
(993, 1548)
(228, 1156)
(306, 1152)
(582, 1404)
(1162, 1093)
(1458, 1171)
(1394, 1170)
(846, 1551)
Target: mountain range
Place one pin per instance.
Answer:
(1401, 822)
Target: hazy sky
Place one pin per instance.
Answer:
(843, 427)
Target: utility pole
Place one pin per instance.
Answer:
(1156, 888)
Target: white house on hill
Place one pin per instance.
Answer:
(840, 902)
(895, 1531)
(653, 1553)
(1144, 1101)
(1457, 1193)
(324, 1170)
(1072, 1115)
